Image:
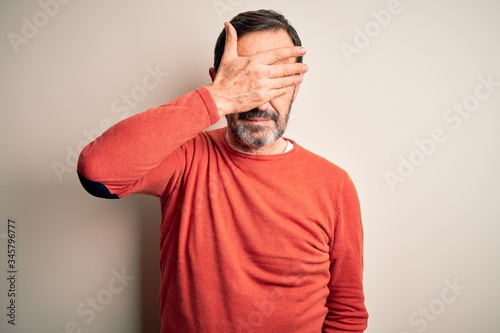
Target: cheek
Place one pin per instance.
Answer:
(231, 118)
(282, 104)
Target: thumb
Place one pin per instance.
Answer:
(231, 45)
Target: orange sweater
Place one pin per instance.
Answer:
(249, 243)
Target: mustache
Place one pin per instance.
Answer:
(256, 113)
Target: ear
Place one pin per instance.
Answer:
(212, 73)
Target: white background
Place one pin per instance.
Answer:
(437, 226)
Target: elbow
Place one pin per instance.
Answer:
(95, 188)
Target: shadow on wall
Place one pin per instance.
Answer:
(83, 263)
(150, 220)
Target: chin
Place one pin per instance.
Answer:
(257, 140)
(253, 136)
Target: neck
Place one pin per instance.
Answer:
(276, 147)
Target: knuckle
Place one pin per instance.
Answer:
(284, 71)
(269, 72)
(260, 94)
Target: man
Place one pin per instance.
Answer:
(258, 234)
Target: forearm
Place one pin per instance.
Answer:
(131, 148)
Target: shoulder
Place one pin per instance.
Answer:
(319, 165)
(317, 174)
(203, 141)
(215, 135)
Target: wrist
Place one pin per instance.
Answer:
(220, 101)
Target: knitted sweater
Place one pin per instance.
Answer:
(249, 243)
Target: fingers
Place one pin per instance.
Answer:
(276, 55)
(286, 82)
(278, 92)
(231, 45)
(283, 70)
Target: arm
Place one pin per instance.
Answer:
(346, 308)
(114, 164)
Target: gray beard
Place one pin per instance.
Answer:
(253, 136)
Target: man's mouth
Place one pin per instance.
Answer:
(258, 120)
(258, 116)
